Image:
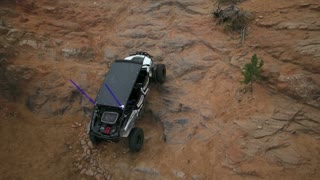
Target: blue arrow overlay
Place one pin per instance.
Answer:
(114, 97)
(92, 101)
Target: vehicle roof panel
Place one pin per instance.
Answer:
(121, 78)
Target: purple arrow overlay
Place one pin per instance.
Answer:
(114, 97)
(92, 101)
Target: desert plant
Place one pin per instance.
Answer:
(232, 18)
(251, 71)
(236, 23)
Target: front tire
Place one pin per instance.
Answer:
(136, 139)
(95, 140)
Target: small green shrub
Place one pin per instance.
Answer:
(252, 70)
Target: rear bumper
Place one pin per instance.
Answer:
(105, 137)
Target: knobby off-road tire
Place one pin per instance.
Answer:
(95, 140)
(161, 73)
(136, 139)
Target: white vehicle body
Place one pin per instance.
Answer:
(147, 62)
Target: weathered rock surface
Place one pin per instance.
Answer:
(177, 132)
(309, 47)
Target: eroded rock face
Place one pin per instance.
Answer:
(176, 132)
(45, 100)
(86, 53)
(303, 88)
(309, 47)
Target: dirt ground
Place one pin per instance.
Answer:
(200, 124)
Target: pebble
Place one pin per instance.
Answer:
(179, 174)
(83, 171)
(87, 158)
(89, 172)
(90, 144)
(99, 177)
(82, 142)
(88, 152)
(195, 177)
(259, 127)
(100, 170)
(83, 155)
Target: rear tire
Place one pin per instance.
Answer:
(161, 73)
(154, 75)
(95, 140)
(136, 139)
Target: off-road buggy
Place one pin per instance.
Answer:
(121, 99)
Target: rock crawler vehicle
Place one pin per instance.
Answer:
(121, 99)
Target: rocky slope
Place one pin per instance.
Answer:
(199, 125)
